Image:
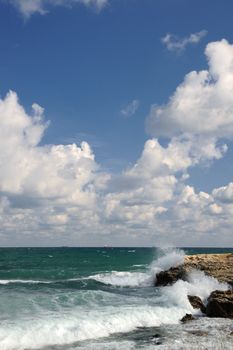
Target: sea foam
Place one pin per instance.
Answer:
(80, 326)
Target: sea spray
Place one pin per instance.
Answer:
(167, 258)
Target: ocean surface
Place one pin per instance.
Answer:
(102, 298)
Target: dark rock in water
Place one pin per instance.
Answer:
(158, 343)
(187, 318)
(220, 304)
(197, 303)
(170, 276)
(156, 335)
(199, 333)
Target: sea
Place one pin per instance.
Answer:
(103, 299)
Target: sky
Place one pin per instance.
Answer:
(116, 123)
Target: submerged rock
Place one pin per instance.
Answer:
(187, 318)
(197, 303)
(199, 333)
(220, 304)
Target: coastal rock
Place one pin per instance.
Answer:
(187, 318)
(197, 303)
(220, 304)
(170, 276)
(219, 266)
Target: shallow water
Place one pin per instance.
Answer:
(101, 298)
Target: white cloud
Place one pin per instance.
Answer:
(30, 7)
(130, 109)
(224, 194)
(58, 194)
(65, 172)
(202, 104)
(215, 209)
(174, 43)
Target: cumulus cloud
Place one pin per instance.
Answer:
(58, 193)
(30, 7)
(64, 172)
(224, 194)
(202, 104)
(174, 43)
(130, 109)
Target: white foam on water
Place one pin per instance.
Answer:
(67, 329)
(170, 257)
(199, 285)
(123, 278)
(4, 282)
(19, 281)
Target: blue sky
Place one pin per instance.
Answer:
(85, 66)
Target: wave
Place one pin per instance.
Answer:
(82, 326)
(123, 278)
(167, 259)
(16, 281)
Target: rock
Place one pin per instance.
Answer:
(156, 335)
(220, 304)
(187, 318)
(170, 276)
(199, 333)
(158, 342)
(219, 266)
(197, 303)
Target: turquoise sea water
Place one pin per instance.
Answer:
(96, 298)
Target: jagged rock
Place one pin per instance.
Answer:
(197, 303)
(170, 276)
(187, 318)
(220, 304)
(219, 266)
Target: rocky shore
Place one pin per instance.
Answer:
(219, 266)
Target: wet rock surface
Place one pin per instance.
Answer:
(219, 266)
(220, 304)
(197, 303)
(170, 276)
(187, 318)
